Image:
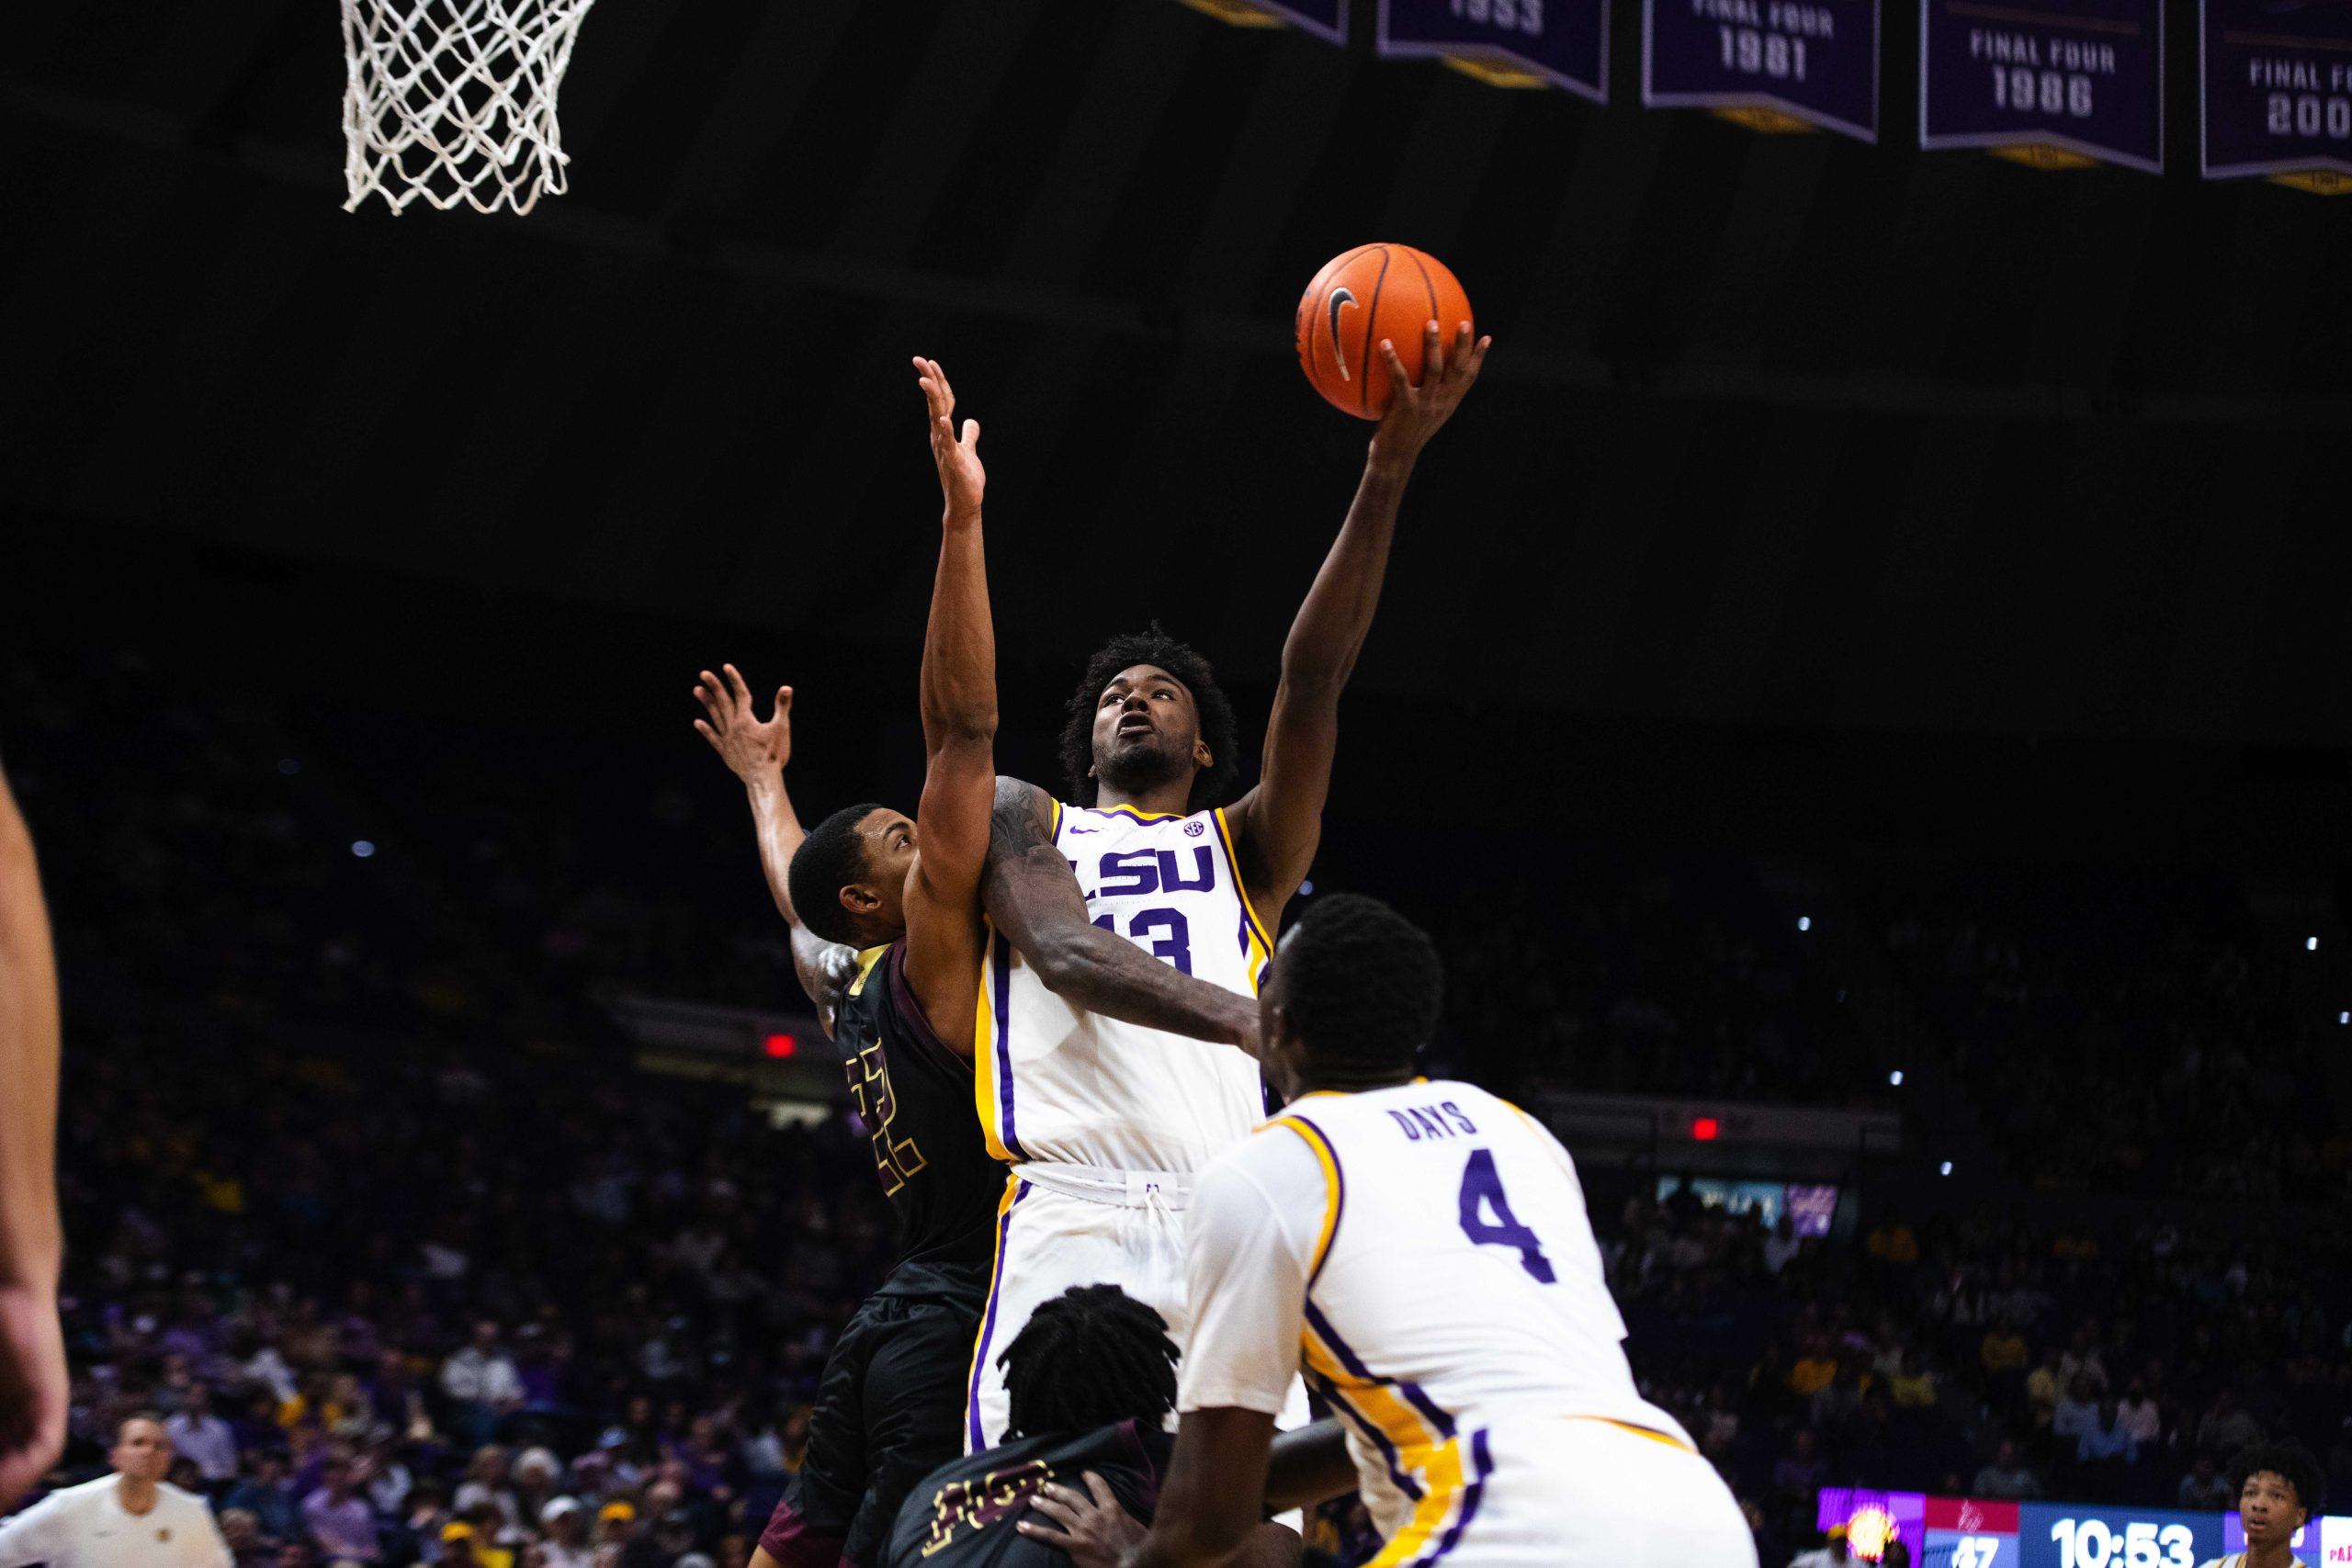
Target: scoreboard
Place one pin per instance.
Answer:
(1968, 1532)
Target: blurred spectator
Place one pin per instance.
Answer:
(2227, 1429)
(340, 1522)
(200, 1434)
(482, 1384)
(566, 1523)
(2205, 1486)
(2007, 1476)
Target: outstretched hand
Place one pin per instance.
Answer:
(961, 476)
(1417, 412)
(32, 1389)
(1089, 1527)
(754, 748)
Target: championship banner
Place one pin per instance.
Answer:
(2056, 83)
(1510, 44)
(1326, 19)
(2278, 91)
(1769, 64)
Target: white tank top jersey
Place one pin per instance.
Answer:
(1424, 1253)
(1060, 1085)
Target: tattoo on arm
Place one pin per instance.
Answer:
(1034, 899)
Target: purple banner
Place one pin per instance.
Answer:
(1324, 19)
(2084, 75)
(1564, 44)
(1809, 61)
(2277, 90)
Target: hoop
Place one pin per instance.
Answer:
(453, 101)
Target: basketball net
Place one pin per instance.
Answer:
(454, 101)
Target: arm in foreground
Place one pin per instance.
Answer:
(32, 1240)
(957, 697)
(1278, 824)
(1035, 902)
(756, 751)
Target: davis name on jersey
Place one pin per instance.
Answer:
(1435, 1194)
(1057, 1084)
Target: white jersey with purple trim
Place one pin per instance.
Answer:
(1424, 1253)
(1064, 1086)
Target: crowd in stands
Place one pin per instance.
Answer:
(1986, 1355)
(2134, 1036)
(419, 1268)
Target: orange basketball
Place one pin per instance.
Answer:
(1361, 297)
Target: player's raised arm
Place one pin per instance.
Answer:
(958, 702)
(32, 1244)
(1035, 902)
(756, 751)
(1279, 822)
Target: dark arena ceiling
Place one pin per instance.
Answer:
(1779, 430)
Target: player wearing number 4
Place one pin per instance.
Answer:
(2278, 1491)
(1422, 1249)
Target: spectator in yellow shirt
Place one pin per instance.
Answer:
(1814, 1369)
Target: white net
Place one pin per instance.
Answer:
(454, 101)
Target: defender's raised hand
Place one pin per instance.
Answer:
(755, 749)
(961, 476)
(1416, 413)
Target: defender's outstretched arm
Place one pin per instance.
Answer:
(959, 702)
(756, 751)
(32, 1241)
(1278, 824)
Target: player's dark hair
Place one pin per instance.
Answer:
(1092, 1356)
(1156, 648)
(829, 860)
(1361, 984)
(2292, 1462)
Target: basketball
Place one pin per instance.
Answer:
(1361, 297)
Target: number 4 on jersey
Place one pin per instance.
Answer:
(1482, 1194)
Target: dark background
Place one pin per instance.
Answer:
(1818, 492)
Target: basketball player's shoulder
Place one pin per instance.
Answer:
(1285, 1160)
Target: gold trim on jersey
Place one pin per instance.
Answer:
(1378, 1404)
(1442, 1475)
(987, 1303)
(1332, 1191)
(1262, 946)
(1656, 1437)
(1132, 814)
(984, 1095)
(865, 962)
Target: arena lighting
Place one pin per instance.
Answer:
(1947, 1168)
(1805, 922)
(363, 848)
(2311, 944)
(288, 766)
(2344, 1017)
(1306, 888)
(1705, 1128)
(1895, 1077)
(781, 1046)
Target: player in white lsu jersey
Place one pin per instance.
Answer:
(1422, 1249)
(1106, 1123)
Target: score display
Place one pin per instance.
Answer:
(1968, 1532)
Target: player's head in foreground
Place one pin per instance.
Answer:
(1147, 712)
(142, 1450)
(849, 876)
(1353, 994)
(1092, 1357)
(2278, 1487)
